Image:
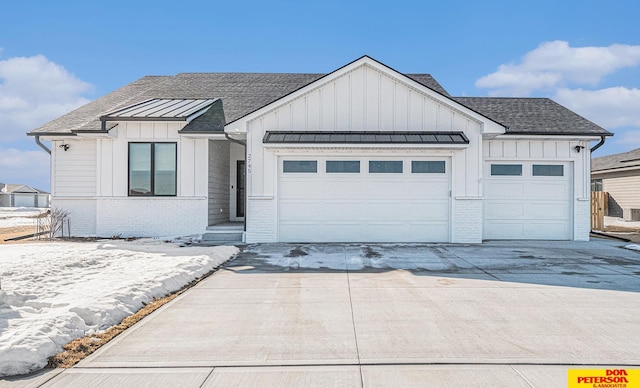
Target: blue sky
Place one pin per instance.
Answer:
(55, 56)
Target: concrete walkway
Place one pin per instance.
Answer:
(500, 314)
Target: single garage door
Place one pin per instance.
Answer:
(363, 200)
(528, 201)
(23, 200)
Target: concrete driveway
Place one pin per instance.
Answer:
(512, 314)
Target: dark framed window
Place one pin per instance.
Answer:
(506, 169)
(385, 166)
(596, 185)
(427, 167)
(548, 170)
(304, 166)
(152, 169)
(343, 166)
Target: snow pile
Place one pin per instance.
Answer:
(633, 247)
(52, 293)
(19, 216)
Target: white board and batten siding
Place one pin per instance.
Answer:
(91, 181)
(531, 205)
(362, 99)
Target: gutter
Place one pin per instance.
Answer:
(246, 176)
(595, 147)
(44, 147)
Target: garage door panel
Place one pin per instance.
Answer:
(426, 188)
(299, 210)
(303, 188)
(501, 229)
(544, 190)
(341, 231)
(504, 209)
(363, 207)
(528, 206)
(551, 210)
(340, 189)
(428, 210)
(349, 210)
(500, 189)
(553, 230)
(385, 210)
(298, 232)
(385, 189)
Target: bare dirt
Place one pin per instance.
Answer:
(15, 231)
(632, 234)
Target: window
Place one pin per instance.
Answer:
(596, 185)
(548, 170)
(300, 166)
(340, 166)
(427, 167)
(384, 166)
(152, 169)
(506, 169)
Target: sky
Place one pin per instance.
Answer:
(57, 56)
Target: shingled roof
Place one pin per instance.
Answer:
(616, 161)
(533, 116)
(241, 94)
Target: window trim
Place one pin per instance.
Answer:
(152, 169)
(440, 162)
(534, 165)
(505, 164)
(327, 162)
(401, 162)
(300, 172)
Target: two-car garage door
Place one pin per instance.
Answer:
(528, 200)
(364, 199)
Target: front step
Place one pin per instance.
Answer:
(220, 236)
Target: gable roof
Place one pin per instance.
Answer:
(533, 116)
(243, 93)
(624, 160)
(19, 188)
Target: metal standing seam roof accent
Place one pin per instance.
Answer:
(160, 108)
(353, 137)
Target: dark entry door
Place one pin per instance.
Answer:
(240, 189)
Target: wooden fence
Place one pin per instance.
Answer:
(599, 201)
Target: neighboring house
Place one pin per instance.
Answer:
(22, 196)
(619, 175)
(364, 153)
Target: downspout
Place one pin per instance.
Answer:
(595, 147)
(44, 147)
(246, 176)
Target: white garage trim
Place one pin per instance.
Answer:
(530, 201)
(365, 206)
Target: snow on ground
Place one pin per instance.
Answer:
(19, 216)
(54, 292)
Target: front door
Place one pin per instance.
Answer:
(240, 189)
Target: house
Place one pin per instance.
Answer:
(364, 153)
(619, 175)
(15, 195)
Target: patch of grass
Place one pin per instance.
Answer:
(76, 350)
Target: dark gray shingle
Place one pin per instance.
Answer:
(615, 161)
(536, 116)
(241, 93)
